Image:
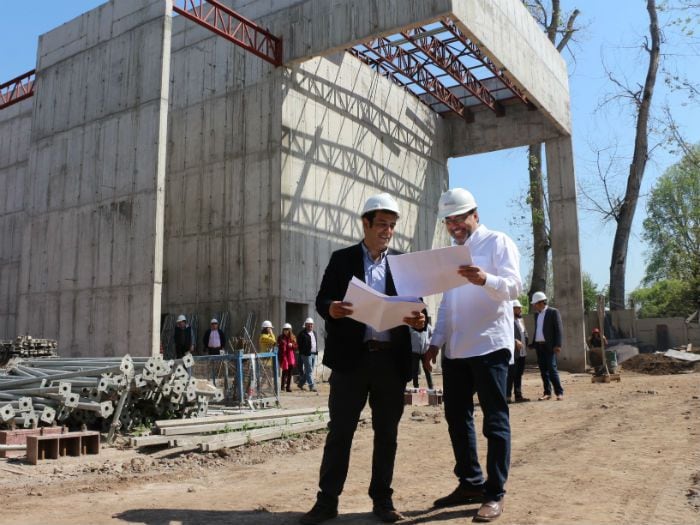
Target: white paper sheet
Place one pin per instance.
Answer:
(377, 310)
(428, 272)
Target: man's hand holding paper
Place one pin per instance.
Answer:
(380, 311)
(431, 271)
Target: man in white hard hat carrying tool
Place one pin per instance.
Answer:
(308, 351)
(547, 344)
(364, 363)
(475, 322)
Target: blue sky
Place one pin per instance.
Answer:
(612, 33)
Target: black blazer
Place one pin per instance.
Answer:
(304, 342)
(520, 335)
(551, 328)
(344, 342)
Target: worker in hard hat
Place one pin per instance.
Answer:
(475, 322)
(267, 339)
(286, 347)
(182, 337)
(214, 339)
(517, 367)
(596, 343)
(308, 352)
(364, 364)
(215, 344)
(547, 343)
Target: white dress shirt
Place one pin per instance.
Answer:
(539, 332)
(477, 320)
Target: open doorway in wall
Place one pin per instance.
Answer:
(295, 314)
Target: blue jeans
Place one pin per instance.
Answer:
(308, 363)
(547, 361)
(487, 376)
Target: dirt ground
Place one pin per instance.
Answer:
(626, 452)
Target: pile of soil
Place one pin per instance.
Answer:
(658, 364)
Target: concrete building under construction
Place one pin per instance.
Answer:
(175, 158)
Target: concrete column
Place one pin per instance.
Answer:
(566, 263)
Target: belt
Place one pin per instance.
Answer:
(375, 346)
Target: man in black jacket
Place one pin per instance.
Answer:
(364, 363)
(308, 351)
(547, 342)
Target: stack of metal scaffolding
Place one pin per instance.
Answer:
(110, 393)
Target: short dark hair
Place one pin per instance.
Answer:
(370, 215)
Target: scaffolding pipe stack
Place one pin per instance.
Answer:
(110, 392)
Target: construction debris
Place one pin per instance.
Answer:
(213, 433)
(26, 346)
(103, 393)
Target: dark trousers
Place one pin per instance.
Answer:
(487, 375)
(515, 377)
(547, 361)
(378, 378)
(417, 362)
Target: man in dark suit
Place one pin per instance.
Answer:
(308, 350)
(547, 343)
(364, 363)
(516, 370)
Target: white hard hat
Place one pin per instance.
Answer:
(267, 324)
(309, 320)
(537, 297)
(181, 318)
(516, 304)
(383, 201)
(455, 202)
(286, 325)
(214, 321)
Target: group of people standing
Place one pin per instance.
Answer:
(214, 339)
(294, 353)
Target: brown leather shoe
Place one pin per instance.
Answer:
(489, 511)
(560, 397)
(522, 399)
(545, 397)
(462, 495)
(318, 514)
(387, 513)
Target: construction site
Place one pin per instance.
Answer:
(204, 158)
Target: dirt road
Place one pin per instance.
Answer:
(615, 453)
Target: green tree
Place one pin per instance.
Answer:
(672, 225)
(590, 293)
(667, 298)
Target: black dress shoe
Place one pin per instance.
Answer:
(319, 513)
(386, 512)
(462, 495)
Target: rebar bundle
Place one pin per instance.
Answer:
(107, 392)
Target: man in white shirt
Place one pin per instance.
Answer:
(475, 321)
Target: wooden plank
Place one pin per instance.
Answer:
(250, 416)
(239, 425)
(263, 434)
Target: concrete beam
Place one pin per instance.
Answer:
(566, 255)
(519, 127)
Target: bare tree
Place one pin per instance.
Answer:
(559, 33)
(624, 214)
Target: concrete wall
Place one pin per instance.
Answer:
(222, 248)
(15, 128)
(349, 133)
(91, 256)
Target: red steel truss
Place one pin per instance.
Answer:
(227, 23)
(443, 68)
(479, 55)
(442, 56)
(396, 62)
(17, 89)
